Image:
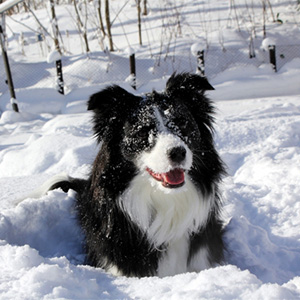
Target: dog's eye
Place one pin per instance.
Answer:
(143, 132)
(181, 123)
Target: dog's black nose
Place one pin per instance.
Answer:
(177, 154)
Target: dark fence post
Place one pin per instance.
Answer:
(8, 73)
(132, 70)
(39, 39)
(272, 53)
(200, 56)
(60, 80)
(200, 63)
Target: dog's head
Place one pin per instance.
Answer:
(162, 134)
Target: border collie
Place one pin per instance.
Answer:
(151, 205)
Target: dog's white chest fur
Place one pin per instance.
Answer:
(167, 217)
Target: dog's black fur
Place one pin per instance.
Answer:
(112, 237)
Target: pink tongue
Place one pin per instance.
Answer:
(173, 177)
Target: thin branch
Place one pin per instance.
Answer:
(28, 27)
(112, 22)
(37, 20)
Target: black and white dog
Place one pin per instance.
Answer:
(151, 204)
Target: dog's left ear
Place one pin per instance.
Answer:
(187, 83)
(190, 89)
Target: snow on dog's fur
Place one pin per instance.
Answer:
(151, 204)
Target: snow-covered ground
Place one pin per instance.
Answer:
(257, 135)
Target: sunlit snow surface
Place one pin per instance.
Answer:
(41, 247)
(257, 135)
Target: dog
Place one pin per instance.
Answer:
(151, 205)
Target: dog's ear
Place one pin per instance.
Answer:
(190, 89)
(187, 83)
(107, 98)
(110, 107)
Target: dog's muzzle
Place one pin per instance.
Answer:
(175, 177)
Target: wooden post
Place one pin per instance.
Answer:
(272, 53)
(60, 80)
(132, 70)
(8, 73)
(200, 63)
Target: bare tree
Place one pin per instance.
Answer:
(271, 10)
(138, 3)
(264, 18)
(82, 27)
(145, 10)
(108, 26)
(264, 4)
(42, 30)
(54, 26)
(100, 18)
(232, 7)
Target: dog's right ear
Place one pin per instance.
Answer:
(110, 106)
(107, 98)
(187, 83)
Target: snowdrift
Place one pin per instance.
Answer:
(41, 242)
(257, 135)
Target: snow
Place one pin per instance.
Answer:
(257, 135)
(268, 42)
(129, 51)
(53, 56)
(196, 47)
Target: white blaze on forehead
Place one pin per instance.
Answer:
(157, 158)
(160, 121)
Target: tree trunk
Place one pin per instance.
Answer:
(145, 11)
(100, 18)
(54, 26)
(139, 20)
(108, 25)
(82, 28)
(264, 19)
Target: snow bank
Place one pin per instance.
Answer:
(41, 255)
(244, 82)
(261, 149)
(36, 101)
(226, 282)
(41, 242)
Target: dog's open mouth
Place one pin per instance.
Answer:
(171, 179)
